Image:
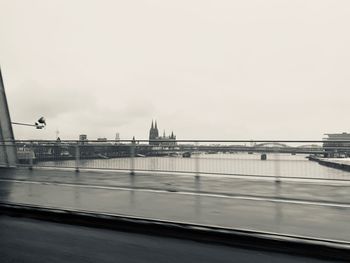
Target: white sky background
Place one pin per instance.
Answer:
(248, 69)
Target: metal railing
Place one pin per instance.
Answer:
(243, 158)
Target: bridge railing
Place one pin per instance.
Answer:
(242, 158)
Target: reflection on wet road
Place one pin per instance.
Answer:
(184, 203)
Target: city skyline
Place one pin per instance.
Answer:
(174, 131)
(233, 70)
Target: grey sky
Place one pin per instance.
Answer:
(252, 69)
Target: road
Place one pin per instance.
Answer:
(331, 191)
(27, 240)
(264, 207)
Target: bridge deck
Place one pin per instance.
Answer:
(51, 242)
(295, 208)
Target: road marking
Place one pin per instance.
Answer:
(173, 191)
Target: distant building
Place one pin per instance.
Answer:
(117, 137)
(102, 141)
(337, 144)
(83, 139)
(155, 139)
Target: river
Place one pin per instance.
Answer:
(239, 164)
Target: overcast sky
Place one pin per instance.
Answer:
(248, 69)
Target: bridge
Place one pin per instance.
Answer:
(80, 190)
(8, 155)
(65, 150)
(271, 144)
(261, 148)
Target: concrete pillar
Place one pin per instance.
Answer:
(8, 151)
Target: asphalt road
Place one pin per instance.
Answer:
(334, 191)
(27, 240)
(104, 192)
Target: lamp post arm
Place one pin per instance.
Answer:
(24, 124)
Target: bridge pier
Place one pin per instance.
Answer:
(8, 152)
(263, 156)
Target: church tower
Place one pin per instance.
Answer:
(155, 139)
(153, 133)
(156, 132)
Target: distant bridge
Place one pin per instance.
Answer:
(271, 144)
(266, 148)
(67, 151)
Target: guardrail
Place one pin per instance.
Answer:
(258, 158)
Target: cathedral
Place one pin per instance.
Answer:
(155, 139)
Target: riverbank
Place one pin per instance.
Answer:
(337, 163)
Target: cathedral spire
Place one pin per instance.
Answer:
(152, 125)
(156, 132)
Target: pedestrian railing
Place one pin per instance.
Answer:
(253, 158)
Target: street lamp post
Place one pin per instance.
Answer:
(39, 124)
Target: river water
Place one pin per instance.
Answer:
(242, 164)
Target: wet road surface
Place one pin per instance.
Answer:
(263, 206)
(327, 190)
(27, 240)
